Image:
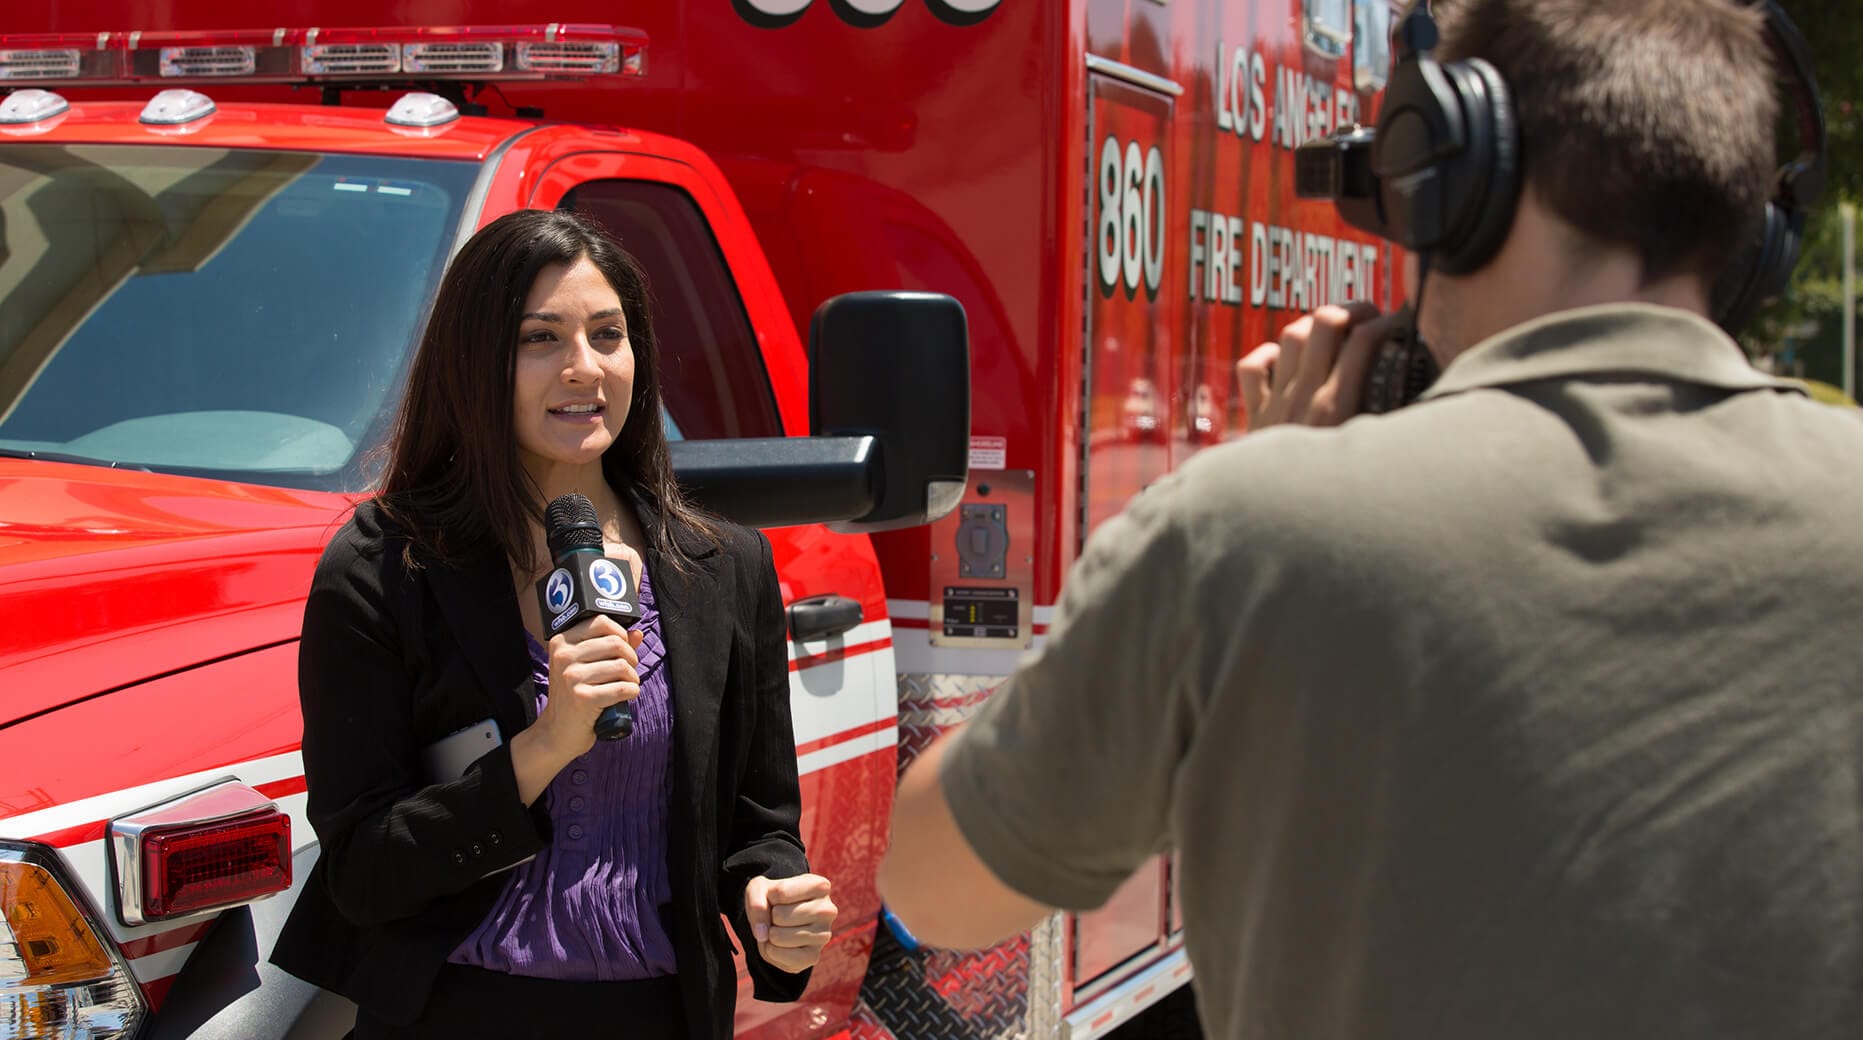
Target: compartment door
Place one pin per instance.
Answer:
(1135, 408)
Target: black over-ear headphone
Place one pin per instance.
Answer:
(1761, 269)
(1446, 162)
(1447, 153)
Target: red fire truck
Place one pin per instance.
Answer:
(221, 224)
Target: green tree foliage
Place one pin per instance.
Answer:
(1834, 31)
(1804, 325)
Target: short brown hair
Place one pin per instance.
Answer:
(1648, 123)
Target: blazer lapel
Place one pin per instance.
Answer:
(695, 625)
(481, 614)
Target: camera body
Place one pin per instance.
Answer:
(1338, 167)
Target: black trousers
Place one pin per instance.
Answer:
(468, 1003)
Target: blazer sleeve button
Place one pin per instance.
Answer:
(477, 851)
(459, 856)
(495, 839)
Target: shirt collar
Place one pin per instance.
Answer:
(1613, 339)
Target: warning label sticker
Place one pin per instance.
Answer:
(988, 452)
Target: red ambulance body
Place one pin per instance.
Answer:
(208, 301)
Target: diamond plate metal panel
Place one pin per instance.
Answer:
(929, 994)
(863, 1024)
(930, 704)
(1009, 992)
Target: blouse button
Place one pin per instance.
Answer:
(576, 803)
(580, 776)
(575, 831)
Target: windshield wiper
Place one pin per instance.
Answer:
(62, 456)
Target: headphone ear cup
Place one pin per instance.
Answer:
(1758, 273)
(1488, 172)
(1405, 150)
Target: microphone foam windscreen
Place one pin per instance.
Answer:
(572, 524)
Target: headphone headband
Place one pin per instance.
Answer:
(1801, 181)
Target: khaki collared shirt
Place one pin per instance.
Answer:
(1534, 709)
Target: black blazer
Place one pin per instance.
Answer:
(394, 659)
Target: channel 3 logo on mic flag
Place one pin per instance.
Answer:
(613, 590)
(607, 579)
(560, 590)
(587, 584)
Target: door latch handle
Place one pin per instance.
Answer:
(819, 617)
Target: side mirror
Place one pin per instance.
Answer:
(895, 366)
(889, 411)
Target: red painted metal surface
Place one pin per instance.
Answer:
(108, 577)
(235, 710)
(840, 805)
(563, 160)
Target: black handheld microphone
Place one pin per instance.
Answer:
(586, 583)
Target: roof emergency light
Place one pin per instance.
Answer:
(54, 56)
(23, 107)
(176, 107)
(480, 53)
(42, 63)
(422, 111)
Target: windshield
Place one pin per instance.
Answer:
(245, 315)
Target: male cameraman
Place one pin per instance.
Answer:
(1532, 709)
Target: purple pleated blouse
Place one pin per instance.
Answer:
(591, 906)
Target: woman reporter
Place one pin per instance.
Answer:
(556, 882)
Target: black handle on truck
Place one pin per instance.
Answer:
(819, 617)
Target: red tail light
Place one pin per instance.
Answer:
(186, 869)
(220, 846)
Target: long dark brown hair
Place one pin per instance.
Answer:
(454, 481)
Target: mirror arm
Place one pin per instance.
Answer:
(780, 481)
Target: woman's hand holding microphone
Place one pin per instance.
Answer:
(594, 663)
